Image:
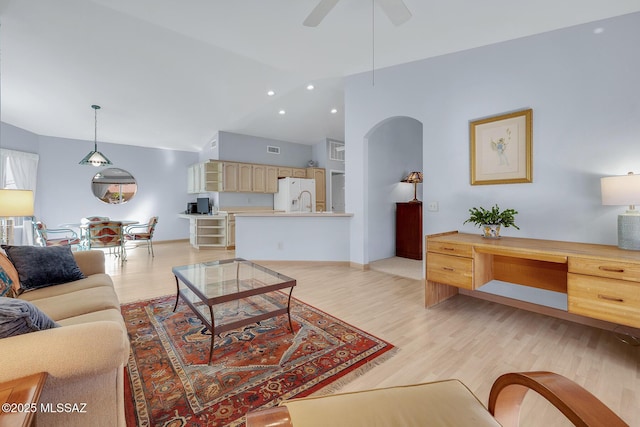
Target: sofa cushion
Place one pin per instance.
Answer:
(93, 281)
(43, 266)
(442, 403)
(12, 274)
(19, 317)
(77, 303)
(111, 314)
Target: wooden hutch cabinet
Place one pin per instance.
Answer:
(409, 230)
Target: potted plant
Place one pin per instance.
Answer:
(491, 220)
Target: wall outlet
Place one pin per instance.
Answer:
(432, 206)
(280, 246)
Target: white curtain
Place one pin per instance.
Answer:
(24, 169)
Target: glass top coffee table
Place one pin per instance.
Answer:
(241, 291)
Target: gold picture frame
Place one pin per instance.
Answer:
(501, 149)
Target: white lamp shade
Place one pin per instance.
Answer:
(16, 203)
(620, 190)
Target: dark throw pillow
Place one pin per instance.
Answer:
(19, 317)
(39, 267)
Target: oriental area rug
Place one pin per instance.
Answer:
(168, 381)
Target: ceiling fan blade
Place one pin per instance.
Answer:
(396, 10)
(319, 12)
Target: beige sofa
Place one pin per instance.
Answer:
(85, 357)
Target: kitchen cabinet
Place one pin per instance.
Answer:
(271, 179)
(230, 176)
(245, 177)
(284, 172)
(221, 176)
(231, 231)
(265, 179)
(203, 177)
(299, 173)
(207, 230)
(319, 174)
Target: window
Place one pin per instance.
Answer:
(336, 150)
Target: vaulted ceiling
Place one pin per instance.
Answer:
(172, 73)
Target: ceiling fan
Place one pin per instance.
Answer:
(396, 10)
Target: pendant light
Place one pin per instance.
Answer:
(95, 158)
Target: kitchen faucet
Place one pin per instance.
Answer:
(310, 199)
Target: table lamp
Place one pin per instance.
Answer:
(619, 191)
(14, 203)
(414, 178)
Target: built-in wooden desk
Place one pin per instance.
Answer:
(601, 282)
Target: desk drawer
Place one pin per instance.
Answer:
(450, 270)
(446, 248)
(602, 268)
(612, 300)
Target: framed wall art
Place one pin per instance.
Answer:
(501, 151)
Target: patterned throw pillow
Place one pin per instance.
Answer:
(39, 267)
(6, 284)
(19, 317)
(11, 274)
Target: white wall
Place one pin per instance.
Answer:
(584, 92)
(63, 193)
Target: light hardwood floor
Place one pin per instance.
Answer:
(465, 338)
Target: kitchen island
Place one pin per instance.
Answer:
(281, 236)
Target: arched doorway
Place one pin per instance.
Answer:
(395, 148)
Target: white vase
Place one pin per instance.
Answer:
(491, 231)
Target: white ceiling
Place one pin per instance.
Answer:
(171, 73)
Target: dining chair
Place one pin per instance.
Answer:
(106, 234)
(142, 232)
(55, 236)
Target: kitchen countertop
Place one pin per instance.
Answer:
(294, 214)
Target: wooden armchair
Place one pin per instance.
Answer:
(440, 403)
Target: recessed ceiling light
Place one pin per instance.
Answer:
(310, 87)
(282, 112)
(271, 93)
(334, 110)
(598, 30)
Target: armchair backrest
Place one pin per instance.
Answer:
(94, 218)
(105, 233)
(152, 225)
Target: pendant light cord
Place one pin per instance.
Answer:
(95, 129)
(373, 43)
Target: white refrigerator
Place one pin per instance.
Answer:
(295, 195)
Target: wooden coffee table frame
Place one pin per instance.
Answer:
(286, 282)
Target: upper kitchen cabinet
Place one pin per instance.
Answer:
(245, 177)
(230, 176)
(204, 177)
(265, 179)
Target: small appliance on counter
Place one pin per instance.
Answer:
(295, 195)
(203, 205)
(199, 207)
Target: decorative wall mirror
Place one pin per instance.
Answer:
(114, 186)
